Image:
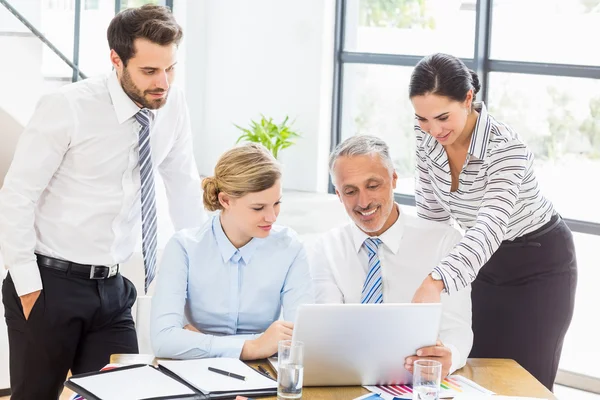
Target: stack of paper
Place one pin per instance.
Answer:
(451, 386)
(196, 373)
(175, 379)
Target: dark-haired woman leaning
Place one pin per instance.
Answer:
(517, 252)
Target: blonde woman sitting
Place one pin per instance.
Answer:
(221, 287)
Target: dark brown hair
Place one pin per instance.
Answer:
(443, 75)
(154, 23)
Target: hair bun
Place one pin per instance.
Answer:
(210, 197)
(475, 82)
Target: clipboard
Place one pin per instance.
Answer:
(108, 379)
(86, 390)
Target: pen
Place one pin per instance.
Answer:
(264, 370)
(265, 373)
(231, 374)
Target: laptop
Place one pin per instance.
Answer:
(363, 344)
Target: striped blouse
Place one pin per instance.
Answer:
(497, 198)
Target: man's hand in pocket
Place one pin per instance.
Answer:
(28, 301)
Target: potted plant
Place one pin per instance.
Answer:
(275, 137)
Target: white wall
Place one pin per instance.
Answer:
(244, 58)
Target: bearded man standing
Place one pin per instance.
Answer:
(80, 186)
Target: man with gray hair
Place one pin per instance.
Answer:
(384, 254)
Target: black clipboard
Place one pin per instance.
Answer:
(91, 396)
(224, 395)
(198, 395)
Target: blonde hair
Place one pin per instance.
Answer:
(249, 168)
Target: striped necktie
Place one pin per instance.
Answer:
(148, 198)
(372, 291)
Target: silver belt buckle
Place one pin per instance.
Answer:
(113, 270)
(103, 272)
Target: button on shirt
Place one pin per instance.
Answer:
(230, 295)
(498, 197)
(411, 248)
(73, 188)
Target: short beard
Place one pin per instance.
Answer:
(138, 96)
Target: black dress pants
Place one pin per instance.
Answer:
(523, 301)
(76, 324)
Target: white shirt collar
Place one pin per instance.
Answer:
(391, 238)
(124, 106)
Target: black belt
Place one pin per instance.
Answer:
(528, 237)
(547, 227)
(80, 270)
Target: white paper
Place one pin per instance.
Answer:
(133, 383)
(196, 373)
(491, 397)
(459, 385)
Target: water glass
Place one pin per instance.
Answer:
(427, 376)
(290, 369)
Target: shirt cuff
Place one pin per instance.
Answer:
(26, 278)
(456, 359)
(444, 279)
(229, 346)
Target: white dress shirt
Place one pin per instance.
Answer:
(73, 189)
(411, 248)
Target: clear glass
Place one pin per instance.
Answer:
(375, 102)
(413, 27)
(290, 369)
(559, 31)
(577, 354)
(427, 377)
(559, 119)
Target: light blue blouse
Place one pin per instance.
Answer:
(231, 295)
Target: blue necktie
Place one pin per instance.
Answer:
(148, 198)
(372, 291)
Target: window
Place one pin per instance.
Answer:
(91, 4)
(558, 31)
(416, 27)
(137, 3)
(559, 119)
(376, 103)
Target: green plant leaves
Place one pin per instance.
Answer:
(275, 137)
